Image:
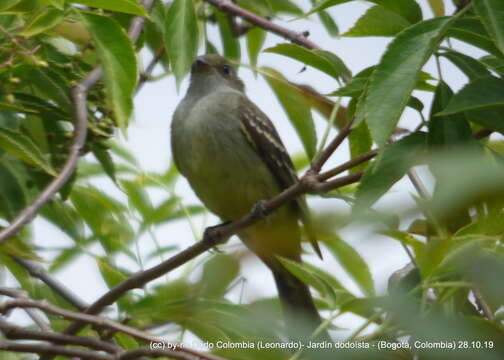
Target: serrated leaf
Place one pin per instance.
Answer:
(119, 64)
(378, 21)
(392, 164)
(446, 130)
(479, 94)
(396, 75)
(285, 6)
(491, 13)
(352, 262)
(124, 6)
(181, 36)
(296, 108)
(21, 146)
(43, 21)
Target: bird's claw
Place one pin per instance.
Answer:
(212, 236)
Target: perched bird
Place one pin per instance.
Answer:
(233, 158)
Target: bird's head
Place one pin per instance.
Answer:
(215, 70)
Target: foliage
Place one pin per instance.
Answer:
(453, 293)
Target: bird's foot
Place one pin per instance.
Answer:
(213, 236)
(260, 211)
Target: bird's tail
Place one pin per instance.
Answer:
(301, 315)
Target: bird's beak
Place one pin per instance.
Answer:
(200, 65)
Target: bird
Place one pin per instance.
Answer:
(233, 158)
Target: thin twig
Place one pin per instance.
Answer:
(329, 150)
(41, 323)
(347, 165)
(15, 332)
(50, 349)
(147, 73)
(37, 271)
(295, 37)
(96, 321)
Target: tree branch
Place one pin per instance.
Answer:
(50, 349)
(295, 37)
(38, 272)
(96, 321)
(14, 332)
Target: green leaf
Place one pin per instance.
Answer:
(64, 216)
(124, 6)
(446, 130)
(307, 276)
(378, 21)
(43, 21)
(58, 4)
(329, 23)
(471, 67)
(360, 142)
(318, 59)
(480, 93)
(230, 43)
(352, 262)
(494, 63)
(472, 31)
(105, 159)
(324, 5)
(119, 64)
(21, 146)
(285, 6)
(12, 191)
(491, 13)
(396, 75)
(437, 7)
(51, 85)
(296, 108)
(394, 161)
(255, 41)
(137, 197)
(218, 273)
(181, 36)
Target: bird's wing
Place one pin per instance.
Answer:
(262, 135)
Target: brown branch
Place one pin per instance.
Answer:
(329, 150)
(147, 73)
(347, 165)
(14, 332)
(94, 320)
(232, 9)
(38, 272)
(41, 323)
(50, 349)
(79, 96)
(154, 353)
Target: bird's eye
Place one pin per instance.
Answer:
(227, 69)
